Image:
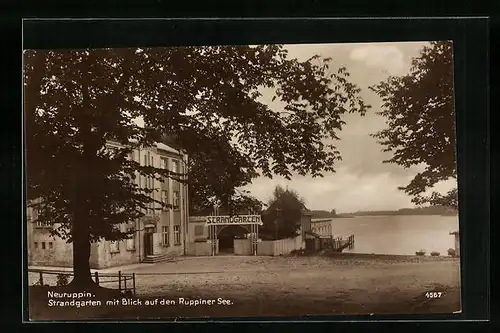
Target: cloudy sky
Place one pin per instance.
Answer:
(361, 181)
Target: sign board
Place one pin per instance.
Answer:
(233, 220)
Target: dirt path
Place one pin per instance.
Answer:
(275, 286)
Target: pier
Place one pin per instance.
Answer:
(340, 243)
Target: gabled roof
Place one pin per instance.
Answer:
(308, 232)
(164, 147)
(325, 219)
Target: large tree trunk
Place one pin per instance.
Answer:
(81, 255)
(81, 227)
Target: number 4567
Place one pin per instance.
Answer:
(433, 294)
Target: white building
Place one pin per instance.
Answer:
(161, 233)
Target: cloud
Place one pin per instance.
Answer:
(386, 57)
(362, 181)
(343, 191)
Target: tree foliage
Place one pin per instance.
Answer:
(419, 109)
(283, 215)
(208, 101)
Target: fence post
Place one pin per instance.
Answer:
(133, 282)
(120, 280)
(125, 282)
(96, 274)
(41, 278)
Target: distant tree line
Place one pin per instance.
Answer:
(428, 210)
(319, 214)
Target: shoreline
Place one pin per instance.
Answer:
(395, 257)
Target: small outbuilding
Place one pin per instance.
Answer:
(457, 242)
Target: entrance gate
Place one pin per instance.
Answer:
(216, 223)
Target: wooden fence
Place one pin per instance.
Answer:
(280, 246)
(121, 281)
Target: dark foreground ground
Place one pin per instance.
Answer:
(341, 284)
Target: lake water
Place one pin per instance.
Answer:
(398, 234)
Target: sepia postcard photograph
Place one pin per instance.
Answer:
(241, 181)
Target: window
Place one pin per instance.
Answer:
(152, 194)
(33, 216)
(164, 198)
(114, 247)
(198, 230)
(165, 235)
(164, 163)
(43, 245)
(40, 224)
(175, 166)
(131, 240)
(36, 245)
(50, 245)
(175, 199)
(177, 235)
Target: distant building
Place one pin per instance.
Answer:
(320, 235)
(322, 227)
(457, 242)
(305, 222)
(158, 234)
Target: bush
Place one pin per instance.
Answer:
(297, 252)
(435, 254)
(62, 279)
(420, 253)
(452, 252)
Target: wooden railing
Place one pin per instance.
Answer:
(123, 281)
(340, 243)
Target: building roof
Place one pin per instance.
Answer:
(312, 233)
(158, 145)
(325, 219)
(164, 147)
